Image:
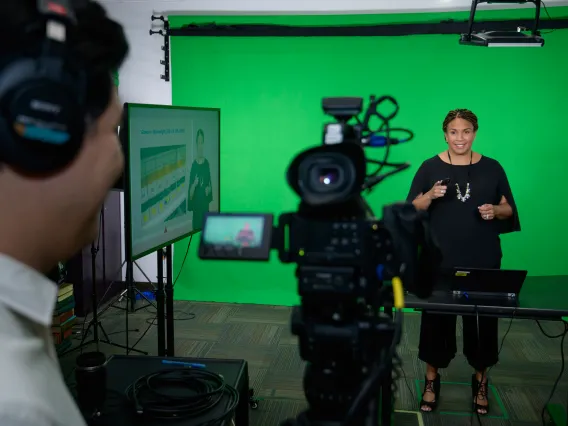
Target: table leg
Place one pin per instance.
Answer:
(557, 414)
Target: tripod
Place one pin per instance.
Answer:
(131, 291)
(95, 323)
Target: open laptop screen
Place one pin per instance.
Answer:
(478, 280)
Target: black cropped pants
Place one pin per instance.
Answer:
(438, 347)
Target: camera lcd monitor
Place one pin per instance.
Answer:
(172, 173)
(236, 236)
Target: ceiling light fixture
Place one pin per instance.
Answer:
(516, 38)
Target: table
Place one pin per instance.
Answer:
(541, 298)
(123, 370)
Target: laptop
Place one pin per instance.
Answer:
(488, 287)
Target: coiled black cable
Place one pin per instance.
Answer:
(562, 365)
(181, 393)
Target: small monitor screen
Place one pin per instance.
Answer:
(236, 236)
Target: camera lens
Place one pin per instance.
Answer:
(329, 176)
(326, 175)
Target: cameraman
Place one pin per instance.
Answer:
(48, 218)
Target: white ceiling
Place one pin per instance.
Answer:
(308, 6)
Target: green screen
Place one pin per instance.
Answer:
(270, 90)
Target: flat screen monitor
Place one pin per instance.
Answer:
(172, 173)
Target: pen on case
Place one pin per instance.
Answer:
(183, 364)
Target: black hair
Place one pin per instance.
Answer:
(200, 133)
(464, 114)
(98, 42)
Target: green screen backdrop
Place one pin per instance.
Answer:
(270, 90)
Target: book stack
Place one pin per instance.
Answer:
(63, 318)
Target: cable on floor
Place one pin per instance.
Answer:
(181, 393)
(553, 391)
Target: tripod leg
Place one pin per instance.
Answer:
(128, 349)
(132, 298)
(85, 333)
(144, 273)
(105, 333)
(86, 330)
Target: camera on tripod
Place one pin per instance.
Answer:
(344, 257)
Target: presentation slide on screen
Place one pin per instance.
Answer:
(234, 231)
(174, 173)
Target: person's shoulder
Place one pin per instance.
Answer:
(431, 162)
(490, 163)
(489, 160)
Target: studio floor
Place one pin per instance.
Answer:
(522, 381)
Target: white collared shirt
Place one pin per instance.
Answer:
(32, 389)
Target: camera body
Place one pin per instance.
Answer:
(340, 329)
(344, 257)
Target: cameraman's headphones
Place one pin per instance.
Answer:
(43, 98)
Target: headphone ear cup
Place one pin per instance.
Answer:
(42, 119)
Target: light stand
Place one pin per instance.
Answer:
(95, 322)
(131, 290)
(124, 292)
(503, 38)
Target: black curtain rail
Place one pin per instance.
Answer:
(444, 27)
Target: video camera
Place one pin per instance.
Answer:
(344, 258)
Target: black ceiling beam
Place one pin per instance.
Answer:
(443, 27)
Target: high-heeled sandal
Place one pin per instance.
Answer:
(480, 392)
(434, 387)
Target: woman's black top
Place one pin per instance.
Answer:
(464, 238)
(201, 199)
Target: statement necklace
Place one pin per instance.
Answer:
(463, 198)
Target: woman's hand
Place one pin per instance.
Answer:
(423, 201)
(437, 191)
(487, 211)
(501, 211)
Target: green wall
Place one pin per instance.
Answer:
(270, 90)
